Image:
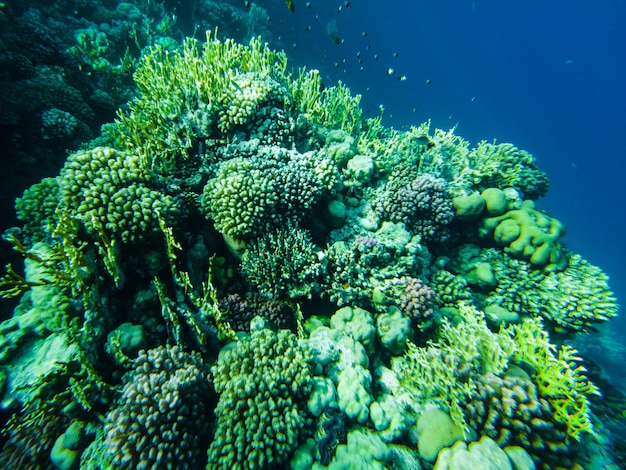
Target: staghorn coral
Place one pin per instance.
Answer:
(162, 415)
(420, 202)
(263, 382)
(444, 372)
(510, 410)
(559, 376)
(284, 263)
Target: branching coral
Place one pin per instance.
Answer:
(107, 189)
(421, 203)
(576, 298)
(162, 416)
(510, 411)
(504, 165)
(559, 376)
(271, 187)
(444, 373)
(284, 264)
(263, 383)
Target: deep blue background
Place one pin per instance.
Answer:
(549, 77)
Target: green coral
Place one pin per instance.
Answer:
(243, 97)
(187, 95)
(284, 263)
(332, 107)
(271, 187)
(579, 296)
(576, 298)
(263, 382)
(443, 373)
(510, 410)
(528, 234)
(559, 376)
(504, 165)
(36, 209)
(107, 189)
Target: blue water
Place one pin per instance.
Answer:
(546, 76)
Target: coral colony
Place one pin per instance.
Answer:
(241, 271)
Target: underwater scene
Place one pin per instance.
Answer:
(312, 235)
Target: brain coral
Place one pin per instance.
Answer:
(162, 417)
(264, 383)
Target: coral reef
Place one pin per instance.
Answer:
(241, 271)
(420, 202)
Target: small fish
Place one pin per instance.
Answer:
(308, 27)
(308, 4)
(347, 4)
(358, 54)
(290, 5)
(364, 34)
(375, 56)
(317, 17)
(473, 99)
(395, 54)
(390, 71)
(362, 68)
(246, 4)
(429, 81)
(339, 9)
(402, 78)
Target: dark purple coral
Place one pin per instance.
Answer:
(416, 301)
(422, 204)
(239, 311)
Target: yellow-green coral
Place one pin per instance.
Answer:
(528, 234)
(183, 92)
(442, 373)
(559, 376)
(332, 107)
